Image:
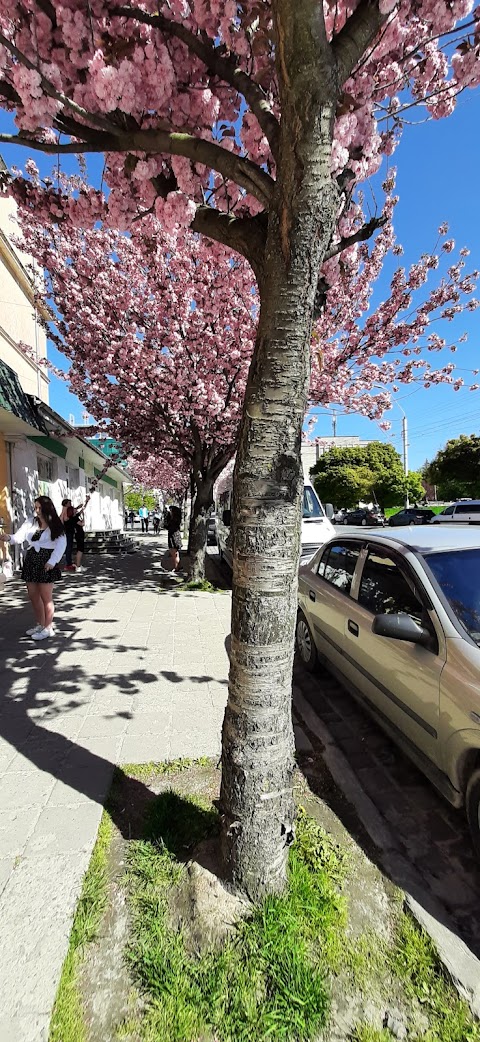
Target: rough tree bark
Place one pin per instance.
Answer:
(257, 759)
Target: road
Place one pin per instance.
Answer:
(432, 836)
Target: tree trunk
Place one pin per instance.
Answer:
(197, 542)
(257, 757)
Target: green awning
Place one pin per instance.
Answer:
(57, 447)
(14, 400)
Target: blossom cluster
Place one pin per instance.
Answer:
(174, 68)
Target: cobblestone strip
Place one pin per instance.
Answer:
(422, 843)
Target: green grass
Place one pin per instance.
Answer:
(67, 1024)
(416, 963)
(142, 771)
(365, 1033)
(268, 982)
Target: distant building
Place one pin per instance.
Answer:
(311, 451)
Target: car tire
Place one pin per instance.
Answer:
(305, 644)
(364, 522)
(472, 806)
(345, 522)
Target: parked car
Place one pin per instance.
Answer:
(338, 517)
(397, 616)
(465, 511)
(316, 527)
(364, 516)
(411, 516)
(211, 531)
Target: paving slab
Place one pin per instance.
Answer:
(127, 678)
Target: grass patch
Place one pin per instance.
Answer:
(141, 771)
(201, 584)
(365, 1033)
(67, 1024)
(416, 963)
(268, 982)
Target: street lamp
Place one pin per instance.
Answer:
(404, 448)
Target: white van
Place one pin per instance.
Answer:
(316, 528)
(465, 511)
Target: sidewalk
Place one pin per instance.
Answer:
(133, 674)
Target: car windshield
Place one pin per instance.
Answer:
(311, 505)
(458, 575)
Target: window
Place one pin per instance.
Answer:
(45, 467)
(458, 575)
(73, 474)
(338, 565)
(311, 506)
(467, 508)
(449, 510)
(384, 589)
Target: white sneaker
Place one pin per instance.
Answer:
(42, 634)
(33, 629)
(81, 568)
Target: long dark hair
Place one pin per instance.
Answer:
(50, 515)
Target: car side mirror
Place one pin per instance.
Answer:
(400, 627)
(227, 518)
(329, 511)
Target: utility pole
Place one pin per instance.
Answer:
(405, 455)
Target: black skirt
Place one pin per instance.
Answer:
(33, 570)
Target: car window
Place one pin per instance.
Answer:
(384, 588)
(448, 510)
(466, 508)
(311, 506)
(458, 575)
(338, 564)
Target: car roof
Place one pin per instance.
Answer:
(424, 539)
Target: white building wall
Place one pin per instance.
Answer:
(18, 318)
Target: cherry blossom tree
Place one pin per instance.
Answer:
(159, 335)
(254, 122)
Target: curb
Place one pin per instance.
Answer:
(460, 963)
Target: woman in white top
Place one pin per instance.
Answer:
(46, 540)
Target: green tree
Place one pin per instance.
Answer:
(455, 470)
(136, 498)
(343, 485)
(364, 472)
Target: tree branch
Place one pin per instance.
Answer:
(225, 68)
(242, 171)
(50, 90)
(363, 233)
(245, 235)
(358, 32)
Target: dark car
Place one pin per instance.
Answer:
(211, 531)
(411, 516)
(364, 516)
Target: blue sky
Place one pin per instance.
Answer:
(437, 164)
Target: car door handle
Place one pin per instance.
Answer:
(353, 628)
(311, 595)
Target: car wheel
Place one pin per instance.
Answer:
(305, 644)
(345, 521)
(472, 804)
(364, 522)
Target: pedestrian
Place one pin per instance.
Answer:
(66, 519)
(47, 542)
(70, 516)
(157, 517)
(143, 515)
(125, 519)
(174, 536)
(80, 536)
(131, 518)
